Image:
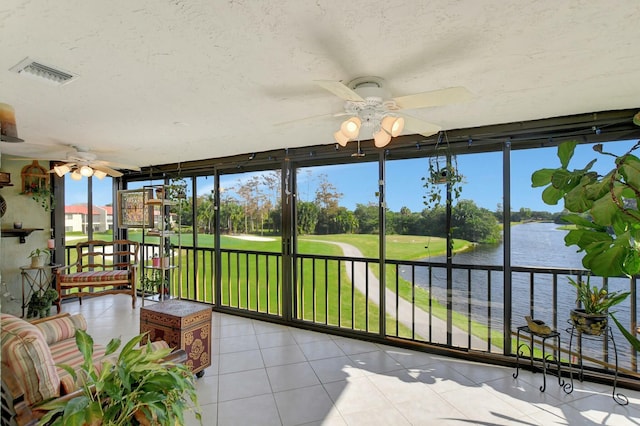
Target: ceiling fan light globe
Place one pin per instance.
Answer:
(86, 171)
(99, 174)
(340, 138)
(393, 125)
(61, 170)
(381, 138)
(351, 127)
(76, 175)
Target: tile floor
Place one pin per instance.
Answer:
(266, 374)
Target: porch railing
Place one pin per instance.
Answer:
(420, 305)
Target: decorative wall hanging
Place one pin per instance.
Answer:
(131, 208)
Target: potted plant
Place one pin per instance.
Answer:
(40, 303)
(136, 387)
(155, 282)
(39, 257)
(595, 302)
(442, 171)
(604, 210)
(177, 188)
(41, 194)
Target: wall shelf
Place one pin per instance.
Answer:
(21, 233)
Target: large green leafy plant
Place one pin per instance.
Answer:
(604, 209)
(136, 387)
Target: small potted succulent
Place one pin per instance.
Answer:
(592, 317)
(39, 257)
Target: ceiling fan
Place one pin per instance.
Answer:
(370, 105)
(82, 162)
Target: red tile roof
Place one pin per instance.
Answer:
(82, 209)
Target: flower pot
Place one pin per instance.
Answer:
(37, 261)
(161, 262)
(592, 324)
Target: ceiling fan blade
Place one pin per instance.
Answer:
(115, 165)
(108, 170)
(339, 89)
(434, 98)
(313, 117)
(416, 125)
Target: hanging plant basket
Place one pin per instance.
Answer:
(592, 324)
(443, 170)
(441, 173)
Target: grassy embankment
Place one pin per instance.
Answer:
(316, 306)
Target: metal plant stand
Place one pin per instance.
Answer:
(552, 358)
(608, 334)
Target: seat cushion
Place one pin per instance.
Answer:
(94, 276)
(25, 352)
(66, 352)
(59, 329)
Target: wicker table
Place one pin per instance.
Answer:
(182, 324)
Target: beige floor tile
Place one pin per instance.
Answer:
(320, 349)
(408, 358)
(244, 384)
(352, 346)
(441, 377)
(432, 411)
(207, 388)
(356, 395)
(275, 338)
(378, 417)
(481, 406)
(281, 355)
(306, 336)
(304, 405)
(335, 369)
(238, 344)
(375, 362)
(235, 330)
(399, 386)
(330, 420)
(240, 361)
(292, 376)
(262, 327)
(257, 410)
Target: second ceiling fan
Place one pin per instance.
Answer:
(82, 162)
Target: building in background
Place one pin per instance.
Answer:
(77, 218)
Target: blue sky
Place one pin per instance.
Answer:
(358, 182)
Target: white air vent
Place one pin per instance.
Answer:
(47, 73)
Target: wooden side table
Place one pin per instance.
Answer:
(182, 324)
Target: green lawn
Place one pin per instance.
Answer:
(244, 287)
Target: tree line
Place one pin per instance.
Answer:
(253, 206)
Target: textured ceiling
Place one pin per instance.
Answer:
(169, 81)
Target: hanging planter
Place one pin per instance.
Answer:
(442, 173)
(443, 170)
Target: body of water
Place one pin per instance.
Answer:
(532, 245)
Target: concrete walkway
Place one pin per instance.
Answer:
(404, 312)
